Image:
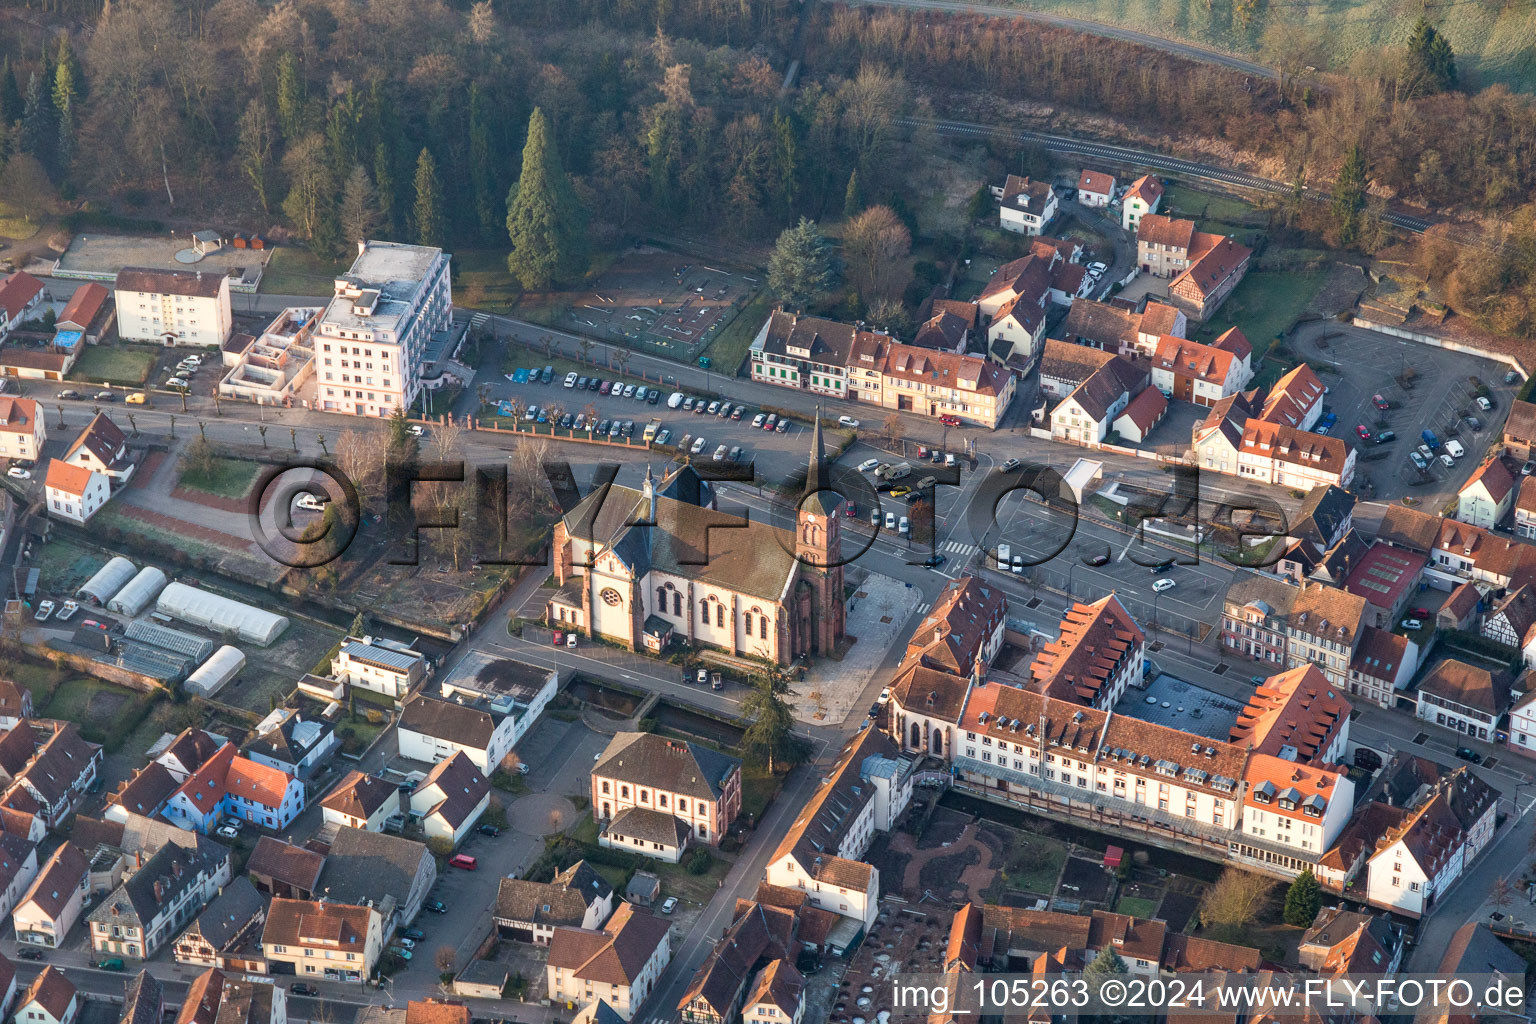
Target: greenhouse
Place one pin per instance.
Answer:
(220, 614)
(139, 592)
(212, 674)
(109, 579)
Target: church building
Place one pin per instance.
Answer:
(660, 564)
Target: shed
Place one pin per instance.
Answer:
(1113, 856)
(109, 579)
(139, 592)
(220, 614)
(643, 889)
(481, 979)
(212, 674)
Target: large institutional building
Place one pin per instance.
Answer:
(642, 567)
(372, 336)
(176, 307)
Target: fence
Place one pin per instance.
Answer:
(1437, 342)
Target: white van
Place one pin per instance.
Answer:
(676, 400)
(1455, 448)
(1002, 558)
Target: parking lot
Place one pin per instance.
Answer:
(1427, 388)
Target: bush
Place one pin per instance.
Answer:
(699, 862)
(441, 848)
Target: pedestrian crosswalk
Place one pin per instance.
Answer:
(922, 609)
(958, 549)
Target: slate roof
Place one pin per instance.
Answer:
(827, 816)
(564, 901)
(645, 759)
(780, 985)
(171, 871)
(1520, 424)
(144, 1001)
(148, 790)
(282, 741)
(104, 440)
(1106, 385)
(369, 865)
(1405, 527)
(1062, 360)
(229, 913)
(245, 1002)
(759, 932)
(195, 283)
(192, 748)
(614, 956)
(649, 826)
(462, 787)
(1322, 514)
(58, 880)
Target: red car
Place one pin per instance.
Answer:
(559, 638)
(1381, 403)
(1422, 613)
(848, 510)
(1362, 433)
(950, 421)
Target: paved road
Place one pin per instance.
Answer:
(1191, 50)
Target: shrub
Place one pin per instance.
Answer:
(699, 862)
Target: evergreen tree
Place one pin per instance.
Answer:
(66, 77)
(771, 734)
(801, 266)
(546, 225)
(37, 126)
(384, 183)
(359, 214)
(342, 126)
(1303, 900)
(1349, 197)
(1107, 963)
(853, 196)
(1431, 62)
(428, 209)
(482, 165)
(11, 103)
(290, 97)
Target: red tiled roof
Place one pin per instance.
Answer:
(18, 415)
(1192, 359)
(83, 306)
(1213, 266)
(67, 478)
(1146, 188)
(1297, 709)
(1096, 182)
(1495, 477)
(1156, 229)
(17, 291)
(1095, 639)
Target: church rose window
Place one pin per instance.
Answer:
(611, 596)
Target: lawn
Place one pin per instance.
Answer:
(757, 789)
(728, 351)
(106, 714)
(695, 889)
(1215, 213)
(1136, 906)
(228, 478)
(125, 365)
(1034, 863)
(1264, 306)
(295, 271)
(481, 281)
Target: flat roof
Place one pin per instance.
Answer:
(1172, 702)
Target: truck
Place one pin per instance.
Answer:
(1002, 558)
(894, 473)
(1430, 439)
(650, 430)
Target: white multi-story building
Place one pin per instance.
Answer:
(75, 492)
(373, 334)
(175, 307)
(22, 432)
(385, 666)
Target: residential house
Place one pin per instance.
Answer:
(1203, 374)
(1382, 666)
(1509, 621)
(361, 801)
(1122, 331)
(577, 897)
(1064, 366)
(808, 353)
(326, 941)
(231, 786)
(1268, 620)
(1275, 454)
(1460, 609)
(1143, 197)
(116, 850)
(1100, 651)
(189, 751)
(943, 332)
(866, 791)
(1522, 722)
(963, 630)
(696, 785)
(22, 430)
(505, 688)
(227, 934)
(1466, 552)
(433, 729)
(374, 663)
(1325, 516)
(390, 873)
(1086, 414)
(74, 492)
(163, 892)
(89, 311)
(1027, 205)
(20, 295)
(288, 742)
(1525, 509)
(1163, 244)
(974, 390)
(389, 309)
(1409, 529)
(1095, 189)
(45, 915)
(650, 833)
(1139, 418)
(50, 768)
(1017, 299)
(50, 999)
(145, 793)
(1463, 697)
(1295, 400)
(1487, 495)
(761, 933)
(1212, 275)
(451, 799)
(176, 307)
(776, 997)
(619, 964)
(1218, 438)
(102, 447)
(248, 1000)
(15, 704)
(1520, 430)
(1351, 943)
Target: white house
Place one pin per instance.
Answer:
(1469, 699)
(1143, 197)
(777, 996)
(291, 743)
(451, 799)
(50, 999)
(1430, 845)
(1095, 189)
(22, 431)
(432, 729)
(361, 801)
(1027, 205)
(103, 447)
(620, 964)
(377, 664)
(1487, 495)
(44, 916)
(20, 295)
(1086, 415)
(577, 897)
(74, 492)
(176, 307)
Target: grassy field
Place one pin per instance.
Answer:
(1265, 304)
(126, 365)
(729, 350)
(1136, 906)
(106, 713)
(481, 280)
(1498, 41)
(228, 478)
(1035, 868)
(1213, 213)
(295, 271)
(13, 224)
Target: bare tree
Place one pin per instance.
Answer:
(1236, 900)
(445, 958)
(876, 245)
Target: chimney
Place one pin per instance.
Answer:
(159, 891)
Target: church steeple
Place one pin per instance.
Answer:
(818, 548)
(818, 496)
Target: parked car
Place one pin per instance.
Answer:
(868, 464)
(1099, 559)
(698, 445)
(669, 904)
(111, 963)
(605, 387)
(1161, 567)
(298, 988)
(905, 526)
(933, 562)
(735, 455)
(1381, 403)
(738, 412)
(1469, 755)
(594, 383)
(640, 393)
(1009, 465)
(106, 396)
(1097, 269)
(848, 421)
(629, 391)
(1163, 584)
(1422, 613)
(768, 424)
(69, 393)
(652, 397)
(17, 473)
(403, 954)
(720, 453)
(435, 906)
(29, 954)
(1362, 432)
(581, 383)
(949, 420)
(66, 612)
(414, 934)
(44, 610)
(782, 426)
(1418, 460)
(1412, 624)
(1385, 437)
(570, 379)
(1484, 404)
(890, 520)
